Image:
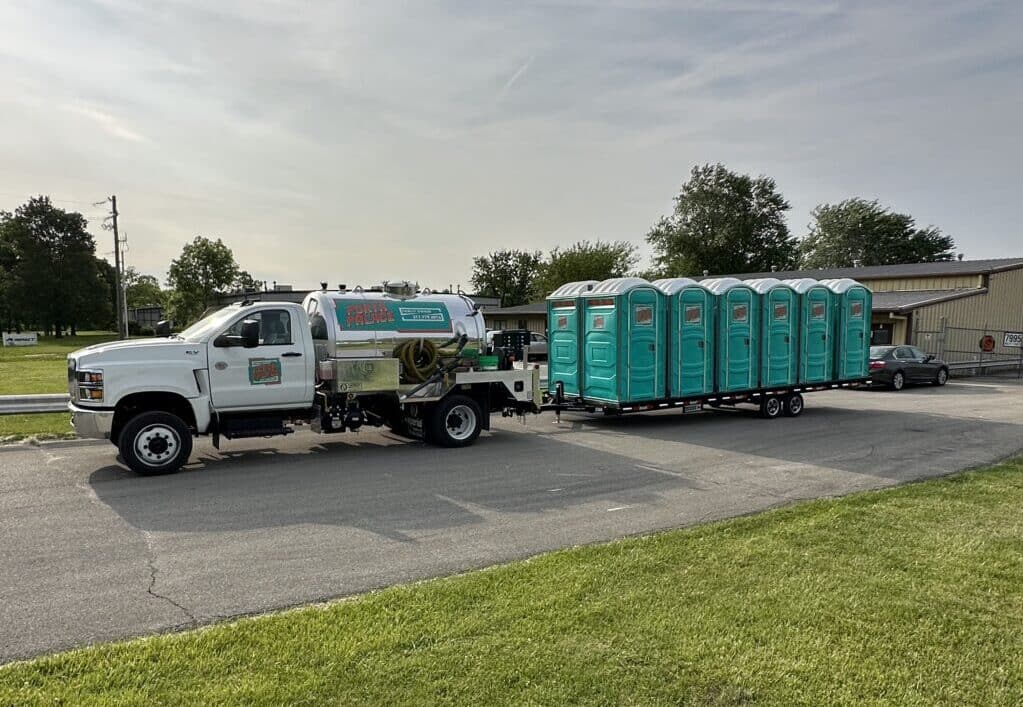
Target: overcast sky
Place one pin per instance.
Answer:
(355, 142)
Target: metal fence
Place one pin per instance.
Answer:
(30, 404)
(961, 348)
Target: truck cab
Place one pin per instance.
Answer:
(336, 362)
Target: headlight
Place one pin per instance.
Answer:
(90, 385)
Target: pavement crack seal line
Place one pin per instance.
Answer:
(153, 571)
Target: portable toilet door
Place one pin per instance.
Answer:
(816, 345)
(690, 315)
(624, 342)
(564, 326)
(599, 364)
(779, 332)
(852, 305)
(737, 334)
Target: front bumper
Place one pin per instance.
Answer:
(91, 424)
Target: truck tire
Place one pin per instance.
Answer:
(155, 442)
(771, 407)
(793, 405)
(455, 421)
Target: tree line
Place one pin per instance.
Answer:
(722, 223)
(52, 280)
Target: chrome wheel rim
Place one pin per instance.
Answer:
(942, 377)
(460, 422)
(772, 407)
(795, 404)
(156, 444)
(898, 380)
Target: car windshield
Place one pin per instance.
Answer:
(209, 324)
(879, 351)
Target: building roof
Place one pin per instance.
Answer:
(522, 309)
(907, 301)
(873, 272)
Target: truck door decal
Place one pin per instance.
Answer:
(264, 371)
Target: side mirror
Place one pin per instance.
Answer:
(250, 333)
(163, 328)
(928, 358)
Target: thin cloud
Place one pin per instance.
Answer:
(514, 78)
(109, 123)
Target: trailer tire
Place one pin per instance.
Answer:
(456, 421)
(771, 407)
(155, 442)
(794, 405)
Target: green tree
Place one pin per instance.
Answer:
(204, 268)
(142, 290)
(244, 282)
(864, 231)
(52, 278)
(723, 222)
(586, 261)
(509, 274)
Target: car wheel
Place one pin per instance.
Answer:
(456, 421)
(942, 377)
(771, 407)
(794, 405)
(155, 443)
(898, 380)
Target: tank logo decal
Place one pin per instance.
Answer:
(264, 371)
(393, 316)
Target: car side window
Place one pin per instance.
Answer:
(274, 327)
(917, 353)
(904, 352)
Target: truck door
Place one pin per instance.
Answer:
(275, 374)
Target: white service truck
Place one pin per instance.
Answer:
(411, 360)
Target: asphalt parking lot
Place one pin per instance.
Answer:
(92, 552)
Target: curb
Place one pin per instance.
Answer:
(30, 443)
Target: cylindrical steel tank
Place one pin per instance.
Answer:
(359, 324)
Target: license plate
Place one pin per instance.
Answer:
(692, 407)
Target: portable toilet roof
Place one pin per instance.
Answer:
(765, 284)
(572, 289)
(720, 285)
(801, 284)
(671, 285)
(840, 285)
(619, 285)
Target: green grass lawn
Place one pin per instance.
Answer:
(28, 370)
(905, 596)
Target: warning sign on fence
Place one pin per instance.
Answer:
(1013, 339)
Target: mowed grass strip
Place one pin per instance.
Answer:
(29, 370)
(906, 596)
(51, 425)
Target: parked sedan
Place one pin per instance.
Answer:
(895, 366)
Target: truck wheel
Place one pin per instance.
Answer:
(155, 443)
(456, 421)
(771, 407)
(794, 405)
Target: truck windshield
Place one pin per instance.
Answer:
(207, 325)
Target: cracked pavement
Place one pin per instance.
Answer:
(90, 552)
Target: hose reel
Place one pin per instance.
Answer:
(419, 358)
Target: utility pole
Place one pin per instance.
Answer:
(117, 267)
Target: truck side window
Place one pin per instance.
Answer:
(274, 327)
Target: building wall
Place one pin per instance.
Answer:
(534, 322)
(1000, 309)
(911, 284)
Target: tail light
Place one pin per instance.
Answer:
(876, 365)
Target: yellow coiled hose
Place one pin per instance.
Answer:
(419, 357)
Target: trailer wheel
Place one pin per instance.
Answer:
(455, 421)
(771, 407)
(155, 442)
(794, 405)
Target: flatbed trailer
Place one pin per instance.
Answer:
(772, 402)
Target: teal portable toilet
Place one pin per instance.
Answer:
(690, 336)
(851, 306)
(624, 346)
(779, 332)
(564, 336)
(816, 337)
(736, 345)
